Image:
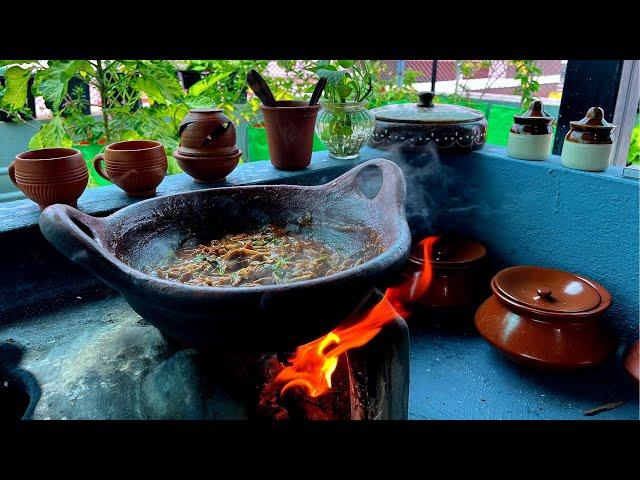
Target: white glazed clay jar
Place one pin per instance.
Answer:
(529, 147)
(588, 144)
(531, 134)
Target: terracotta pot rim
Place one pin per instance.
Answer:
(70, 152)
(153, 144)
(207, 158)
(301, 106)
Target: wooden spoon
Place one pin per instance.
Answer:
(260, 88)
(315, 96)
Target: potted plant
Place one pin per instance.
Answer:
(344, 125)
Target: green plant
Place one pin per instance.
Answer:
(347, 80)
(634, 147)
(526, 72)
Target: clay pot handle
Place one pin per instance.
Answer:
(79, 237)
(393, 190)
(97, 164)
(12, 172)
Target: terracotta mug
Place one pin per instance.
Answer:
(290, 126)
(136, 166)
(50, 175)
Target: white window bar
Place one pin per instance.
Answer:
(625, 113)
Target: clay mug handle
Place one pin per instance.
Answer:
(12, 172)
(97, 164)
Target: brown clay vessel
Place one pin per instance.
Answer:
(50, 175)
(208, 150)
(205, 132)
(632, 360)
(547, 318)
(210, 169)
(136, 166)
(290, 126)
(458, 282)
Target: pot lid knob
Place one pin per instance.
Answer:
(594, 119)
(544, 292)
(426, 99)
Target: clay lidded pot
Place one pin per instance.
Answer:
(531, 134)
(50, 175)
(632, 360)
(588, 144)
(136, 166)
(207, 131)
(547, 318)
(208, 150)
(290, 127)
(458, 279)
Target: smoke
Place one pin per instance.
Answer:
(428, 181)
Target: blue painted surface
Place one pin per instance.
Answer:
(458, 376)
(542, 213)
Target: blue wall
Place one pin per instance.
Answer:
(541, 213)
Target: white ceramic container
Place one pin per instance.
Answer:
(531, 134)
(588, 144)
(529, 147)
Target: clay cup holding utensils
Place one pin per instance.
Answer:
(290, 126)
(136, 166)
(50, 175)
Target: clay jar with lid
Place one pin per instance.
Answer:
(458, 280)
(587, 145)
(632, 361)
(547, 318)
(531, 134)
(208, 150)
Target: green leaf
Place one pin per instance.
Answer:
(53, 82)
(157, 82)
(332, 76)
(15, 90)
(208, 82)
(346, 63)
(51, 134)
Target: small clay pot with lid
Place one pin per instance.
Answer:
(588, 143)
(531, 134)
(547, 318)
(208, 150)
(458, 280)
(632, 361)
(412, 127)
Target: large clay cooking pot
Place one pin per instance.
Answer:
(265, 318)
(413, 127)
(547, 318)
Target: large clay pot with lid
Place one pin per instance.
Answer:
(547, 318)
(414, 126)
(531, 134)
(588, 143)
(632, 360)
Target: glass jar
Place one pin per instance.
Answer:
(344, 128)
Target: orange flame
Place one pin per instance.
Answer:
(313, 364)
